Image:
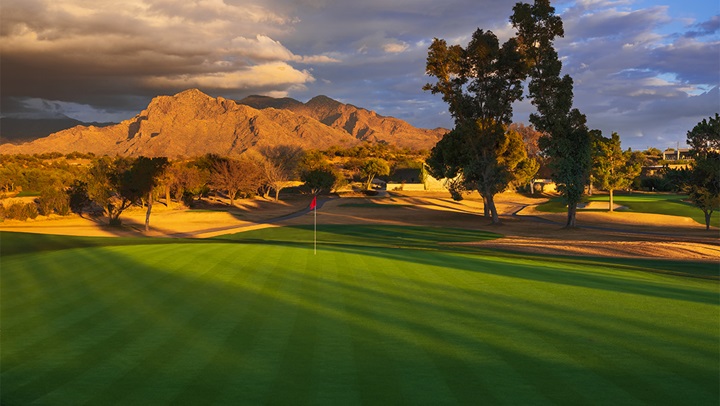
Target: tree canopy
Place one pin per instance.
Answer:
(279, 164)
(374, 167)
(567, 141)
(612, 168)
(116, 184)
(479, 83)
(704, 185)
(235, 176)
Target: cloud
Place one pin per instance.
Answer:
(633, 76)
(264, 48)
(708, 27)
(257, 76)
(316, 59)
(395, 47)
(103, 51)
(689, 59)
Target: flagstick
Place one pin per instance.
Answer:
(315, 231)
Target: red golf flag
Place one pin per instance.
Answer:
(313, 204)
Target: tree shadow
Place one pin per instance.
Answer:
(572, 271)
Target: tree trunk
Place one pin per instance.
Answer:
(167, 195)
(708, 213)
(486, 207)
(369, 182)
(149, 209)
(493, 210)
(232, 195)
(572, 211)
(612, 206)
(277, 193)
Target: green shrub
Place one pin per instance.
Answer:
(21, 211)
(54, 200)
(77, 196)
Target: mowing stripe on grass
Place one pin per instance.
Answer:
(114, 332)
(230, 323)
(191, 326)
(82, 312)
(334, 365)
(394, 322)
(252, 363)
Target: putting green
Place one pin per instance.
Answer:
(379, 316)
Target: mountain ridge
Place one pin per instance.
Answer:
(192, 123)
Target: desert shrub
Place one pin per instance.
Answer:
(21, 211)
(78, 196)
(80, 155)
(53, 200)
(50, 155)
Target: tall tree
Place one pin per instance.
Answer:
(479, 83)
(235, 176)
(567, 140)
(445, 162)
(318, 174)
(612, 168)
(279, 165)
(374, 167)
(144, 176)
(187, 180)
(116, 184)
(704, 185)
(104, 183)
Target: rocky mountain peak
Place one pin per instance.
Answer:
(262, 102)
(323, 101)
(192, 123)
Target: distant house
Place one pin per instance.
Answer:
(676, 154)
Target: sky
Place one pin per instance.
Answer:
(647, 69)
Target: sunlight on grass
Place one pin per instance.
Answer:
(667, 204)
(259, 319)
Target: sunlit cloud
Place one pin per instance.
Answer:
(395, 47)
(275, 73)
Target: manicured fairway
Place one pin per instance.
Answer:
(661, 203)
(381, 315)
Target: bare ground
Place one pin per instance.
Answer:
(618, 234)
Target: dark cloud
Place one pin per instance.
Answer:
(689, 60)
(612, 23)
(706, 28)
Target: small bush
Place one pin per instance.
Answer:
(54, 200)
(21, 211)
(78, 197)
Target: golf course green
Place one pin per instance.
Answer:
(380, 315)
(654, 203)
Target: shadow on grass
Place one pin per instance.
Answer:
(419, 245)
(253, 325)
(13, 243)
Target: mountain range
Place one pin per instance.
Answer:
(24, 129)
(191, 123)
